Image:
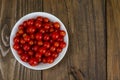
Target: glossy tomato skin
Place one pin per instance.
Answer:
(31, 29)
(42, 30)
(44, 60)
(46, 45)
(38, 36)
(42, 50)
(54, 55)
(56, 25)
(21, 27)
(30, 52)
(62, 33)
(26, 47)
(35, 48)
(27, 38)
(48, 53)
(38, 24)
(16, 39)
(55, 35)
(52, 48)
(16, 46)
(31, 42)
(56, 44)
(46, 26)
(24, 57)
(30, 22)
(22, 41)
(40, 43)
(39, 18)
(20, 51)
(38, 55)
(59, 49)
(46, 20)
(46, 37)
(50, 60)
(33, 61)
(62, 44)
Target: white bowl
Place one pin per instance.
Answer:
(41, 66)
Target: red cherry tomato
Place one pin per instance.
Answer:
(54, 55)
(39, 18)
(32, 36)
(42, 50)
(60, 39)
(20, 51)
(48, 53)
(44, 60)
(59, 49)
(38, 36)
(56, 25)
(46, 37)
(42, 30)
(30, 22)
(25, 23)
(38, 55)
(35, 48)
(51, 30)
(33, 61)
(31, 42)
(40, 43)
(20, 31)
(62, 33)
(52, 48)
(46, 26)
(62, 44)
(30, 52)
(16, 39)
(26, 47)
(38, 24)
(31, 29)
(55, 35)
(22, 41)
(46, 45)
(21, 27)
(16, 46)
(24, 57)
(46, 20)
(50, 60)
(56, 44)
(27, 38)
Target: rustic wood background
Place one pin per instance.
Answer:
(94, 33)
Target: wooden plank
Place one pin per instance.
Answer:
(86, 56)
(113, 42)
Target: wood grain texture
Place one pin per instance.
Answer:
(113, 42)
(86, 55)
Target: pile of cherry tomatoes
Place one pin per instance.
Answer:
(39, 40)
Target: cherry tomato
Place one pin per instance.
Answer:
(56, 25)
(56, 44)
(40, 43)
(20, 31)
(21, 27)
(38, 36)
(48, 53)
(33, 61)
(38, 24)
(54, 55)
(30, 22)
(20, 51)
(22, 41)
(24, 57)
(51, 30)
(38, 55)
(46, 26)
(52, 48)
(32, 36)
(39, 18)
(46, 37)
(44, 60)
(62, 33)
(50, 60)
(26, 47)
(25, 23)
(59, 49)
(35, 48)
(46, 20)
(42, 50)
(55, 35)
(31, 29)
(60, 39)
(31, 42)
(62, 44)
(42, 30)
(30, 52)
(16, 39)
(27, 38)
(16, 46)
(46, 45)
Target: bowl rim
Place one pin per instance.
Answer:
(33, 67)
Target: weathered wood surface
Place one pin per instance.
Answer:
(93, 27)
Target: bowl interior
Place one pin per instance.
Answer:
(52, 18)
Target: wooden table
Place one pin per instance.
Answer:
(94, 34)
